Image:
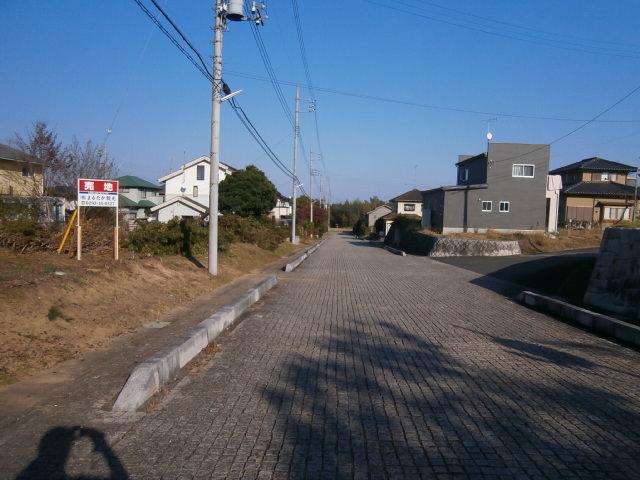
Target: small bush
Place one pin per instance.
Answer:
(361, 229)
(54, 312)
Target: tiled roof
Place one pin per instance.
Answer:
(599, 189)
(595, 164)
(131, 181)
(414, 195)
(10, 153)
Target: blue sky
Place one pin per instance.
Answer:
(72, 63)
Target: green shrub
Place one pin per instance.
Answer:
(361, 229)
(188, 238)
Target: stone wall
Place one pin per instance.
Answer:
(436, 246)
(615, 282)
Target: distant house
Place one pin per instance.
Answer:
(373, 215)
(408, 204)
(186, 190)
(20, 173)
(596, 190)
(137, 198)
(504, 189)
(282, 211)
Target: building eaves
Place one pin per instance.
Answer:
(411, 196)
(594, 164)
(471, 159)
(449, 188)
(599, 189)
(15, 155)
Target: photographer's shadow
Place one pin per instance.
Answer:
(55, 447)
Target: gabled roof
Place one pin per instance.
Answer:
(595, 164)
(379, 206)
(599, 189)
(189, 202)
(196, 161)
(131, 181)
(15, 155)
(126, 202)
(414, 195)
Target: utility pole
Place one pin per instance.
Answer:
(224, 10)
(635, 197)
(215, 137)
(310, 185)
(296, 132)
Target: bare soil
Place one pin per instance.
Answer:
(53, 308)
(539, 242)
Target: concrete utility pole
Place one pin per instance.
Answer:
(635, 197)
(310, 185)
(215, 137)
(296, 132)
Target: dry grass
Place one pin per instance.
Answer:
(52, 308)
(538, 242)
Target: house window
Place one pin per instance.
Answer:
(604, 177)
(195, 191)
(464, 174)
(504, 207)
(26, 172)
(522, 170)
(409, 207)
(487, 206)
(617, 213)
(124, 190)
(143, 193)
(200, 172)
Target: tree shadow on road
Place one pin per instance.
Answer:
(375, 400)
(55, 449)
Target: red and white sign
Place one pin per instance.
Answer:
(97, 193)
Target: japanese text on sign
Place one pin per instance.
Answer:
(97, 193)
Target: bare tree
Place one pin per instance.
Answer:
(88, 160)
(41, 147)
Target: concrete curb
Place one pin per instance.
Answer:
(147, 378)
(290, 267)
(395, 250)
(597, 322)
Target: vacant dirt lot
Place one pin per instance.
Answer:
(53, 308)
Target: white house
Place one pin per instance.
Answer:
(186, 190)
(282, 210)
(409, 205)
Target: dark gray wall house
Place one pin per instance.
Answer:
(503, 190)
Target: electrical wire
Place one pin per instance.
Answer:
(202, 68)
(510, 35)
(397, 101)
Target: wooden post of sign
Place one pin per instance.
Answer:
(79, 229)
(116, 239)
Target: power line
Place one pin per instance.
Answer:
(510, 35)
(397, 101)
(523, 27)
(202, 68)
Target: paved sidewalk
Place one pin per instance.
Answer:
(363, 364)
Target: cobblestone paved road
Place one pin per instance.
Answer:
(363, 364)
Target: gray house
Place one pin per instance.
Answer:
(503, 189)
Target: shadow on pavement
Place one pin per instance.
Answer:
(374, 400)
(54, 451)
(565, 276)
(362, 243)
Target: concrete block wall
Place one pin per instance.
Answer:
(615, 282)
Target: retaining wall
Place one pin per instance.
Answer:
(615, 282)
(434, 246)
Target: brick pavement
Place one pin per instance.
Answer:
(363, 364)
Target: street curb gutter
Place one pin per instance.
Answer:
(395, 250)
(624, 332)
(290, 267)
(147, 378)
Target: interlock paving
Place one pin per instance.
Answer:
(363, 364)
